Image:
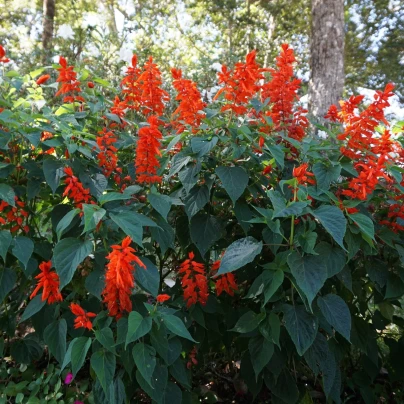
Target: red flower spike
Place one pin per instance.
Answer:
(48, 280)
(75, 189)
(190, 103)
(43, 79)
(131, 87)
(148, 148)
(14, 218)
(83, 318)
(302, 175)
(194, 281)
(107, 157)
(119, 278)
(163, 298)
(70, 85)
(224, 283)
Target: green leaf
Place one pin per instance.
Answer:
(7, 282)
(325, 174)
(106, 338)
(149, 278)
(334, 258)
(294, 208)
(336, 312)
(7, 194)
(177, 163)
(189, 176)
(301, 326)
(234, 180)
(117, 196)
(145, 360)
(161, 203)
(164, 235)
(137, 327)
(65, 222)
(79, 353)
(196, 200)
(270, 328)
(248, 322)
(55, 337)
(203, 146)
(23, 249)
(176, 326)
(277, 154)
(53, 171)
(310, 273)
(272, 281)
(261, 352)
(180, 373)
(104, 363)
(5, 242)
(365, 224)
(205, 230)
(239, 253)
(92, 216)
(67, 255)
(32, 308)
(333, 221)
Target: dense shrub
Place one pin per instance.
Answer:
(174, 253)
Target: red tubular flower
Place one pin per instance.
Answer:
(302, 175)
(90, 84)
(163, 298)
(107, 157)
(190, 103)
(194, 282)
(3, 58)
(333, 114)
(43, 79)
(119, 279)
(152, 96)
(282, 93)
(70, 84)
(224, 283)
(48, 280)
(75, 189)
(148, 148)
(14, 218)
(83, 318)
(131, 87)
(240, 85)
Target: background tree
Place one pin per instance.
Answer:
(49, 11)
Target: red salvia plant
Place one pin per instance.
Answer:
(14, 217)
(119, 278)
(70, 85)
(152, 96)
(194, 281)
(3, 58)
(241, 84)
(83, 318)
(75, 190)
(48, 281)
(302, 175)
(43, 79)
(189, 110)
(224, 283)
(148, 148)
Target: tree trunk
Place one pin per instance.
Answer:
(326, 55)
(49, 10)
(111, 22)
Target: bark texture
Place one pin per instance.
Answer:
(49, 11)
(326, 55)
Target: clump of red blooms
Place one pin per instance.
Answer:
(370, 153)
(192, 358)
(148, 148)
(43, 79)
(14, 217)
(189, 110)
(194, 281)
(83, 318)
(240, 84)
(70, 85)
(224, 283)
(163, 298)
(75, 190)
(3, 58)
(131, 87)
(48, 281)
(302, 175)
(90, 84)
(107, 157)
(119, 278)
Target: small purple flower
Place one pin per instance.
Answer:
(78, 402)
(68, 378)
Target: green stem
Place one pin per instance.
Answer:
(292, 224)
